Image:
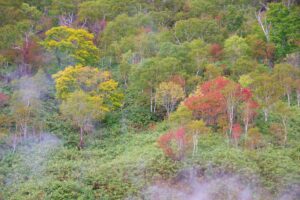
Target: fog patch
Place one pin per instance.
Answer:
(33, 153)
(196, 184)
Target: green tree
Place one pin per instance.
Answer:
(267, 91)
(283, 74)
(285, 113)
(285, 28)
(235, 48)
(194, 28)
(82, 109)
(151, 73)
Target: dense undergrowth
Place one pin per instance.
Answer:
(123, 166)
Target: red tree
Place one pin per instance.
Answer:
(220, 98)
(236, 133)
(29, 56)
(173, 143)
(179, 80)
(216, 52)
(209, 103)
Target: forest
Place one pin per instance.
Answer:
(149, 99)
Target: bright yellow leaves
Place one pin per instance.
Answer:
(87, 94)
(90, 80)
(71, 45)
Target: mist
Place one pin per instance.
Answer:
(196, 184)
(33, 154)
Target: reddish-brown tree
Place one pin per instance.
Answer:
(216, 52)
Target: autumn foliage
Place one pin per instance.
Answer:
(173, 143)
(3, 99)
(220, 99)
(216, 52)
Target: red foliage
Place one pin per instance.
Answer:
(216, 84)
(263, 50)
(249, 111)
(246, 94)
(236, 131)
(214, 97)
(210, 102)
(3, 99)
(208, 106)
(173, 143)
(29, 56)
(178, 80)
(216, 52)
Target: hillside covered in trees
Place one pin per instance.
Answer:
(150, 99)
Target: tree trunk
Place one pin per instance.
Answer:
(58, 59)
(81, 138)
(231, 110)
(14, 142)
(154, 109)
(151, 101)
(246, 128)
(25, 130)
(271, 63)
(195, 144)
(285, 131)
(298, 98)
(288, 98)
(266, 114)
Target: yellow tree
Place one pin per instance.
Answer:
(196, 128)
(87, 94)
(168, 94)
(90, 80)
(71, 46)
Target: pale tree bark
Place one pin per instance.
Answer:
(81, 138)
(151, 101)
(265, 26)
(246, 122)
(285, 130)
(195, 144)
(288, 98)
(66, 20)
(230, 116)
(266, 114)
(298, 98)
